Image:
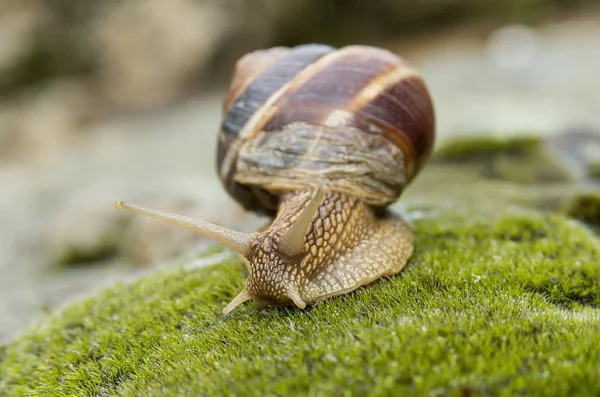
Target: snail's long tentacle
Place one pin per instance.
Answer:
(237, 241)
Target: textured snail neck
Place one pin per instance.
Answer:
(292, 242)
(345, 246)
(321, 221)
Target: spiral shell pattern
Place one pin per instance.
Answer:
(361, 87)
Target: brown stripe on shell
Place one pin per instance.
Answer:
(263, 89)
(265, 113)
(339, 80)
(380, 84)
(404, 112)
(248, 68)
(347, 117)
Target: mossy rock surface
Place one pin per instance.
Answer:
(585, 206)
(489, 306)
(594, 170)
(524, 159)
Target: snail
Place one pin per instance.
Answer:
(322, 140)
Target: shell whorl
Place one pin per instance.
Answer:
(316, 91)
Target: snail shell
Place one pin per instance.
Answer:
(322, 140)
(359, 117)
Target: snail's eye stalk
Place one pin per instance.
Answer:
(237, 241)
(292, 243)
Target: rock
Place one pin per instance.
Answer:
(523, 159)
(88, 229)
(44, 121)
(505, 304)
(140, 54)
(18, 23)
(145, 54)
(41, 40)
(151, 50)
(578, 146)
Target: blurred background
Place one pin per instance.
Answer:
(121, 100)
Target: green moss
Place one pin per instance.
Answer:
(521, 159)
(585, 207)
(79, 256)
(481, 147)
(505, 306)
(594, 170)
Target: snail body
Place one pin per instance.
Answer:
(322, 140)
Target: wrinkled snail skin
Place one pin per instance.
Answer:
(322, 140)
